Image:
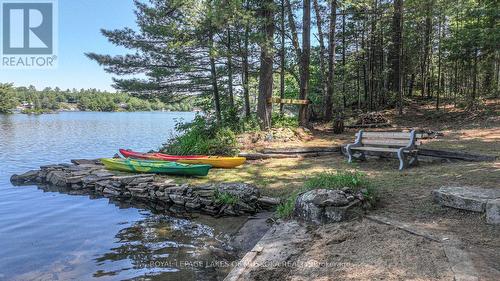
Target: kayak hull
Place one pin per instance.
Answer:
(157, 167)
(156, 156)
(214, 161)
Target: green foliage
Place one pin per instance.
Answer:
(225, 198)
(202, 136)
(355, 181)
(337, 180)
(285, 209)
(7, 100)
(283, 121)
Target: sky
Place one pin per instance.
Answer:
(80, 22)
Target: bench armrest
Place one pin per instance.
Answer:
(357, 142)
(411, 143)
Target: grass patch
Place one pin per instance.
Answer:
(225, 198)
(355, 181)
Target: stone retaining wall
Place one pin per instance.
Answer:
(89, 176)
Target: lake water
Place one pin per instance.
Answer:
(46, 235)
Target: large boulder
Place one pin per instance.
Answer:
(321, 206)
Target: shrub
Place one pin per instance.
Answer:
(225, 198)
(282, 121)
(202, 137)
(328, 180)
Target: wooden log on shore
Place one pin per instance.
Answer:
(374, 125)
(456, 155)
(443, 154)
(260, 156)
(300, 150)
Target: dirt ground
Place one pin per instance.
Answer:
(367, 250)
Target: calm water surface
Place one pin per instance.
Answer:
(47, 235)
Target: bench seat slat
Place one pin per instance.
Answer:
(382, 149)
(386, 135)
(394, 142)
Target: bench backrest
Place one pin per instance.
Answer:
(392, 139)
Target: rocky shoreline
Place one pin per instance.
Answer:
(90, 177)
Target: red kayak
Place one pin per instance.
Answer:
(157, 156)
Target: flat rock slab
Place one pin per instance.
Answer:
(277, 247)
(472, 199)
(493, 211)
(465, 197)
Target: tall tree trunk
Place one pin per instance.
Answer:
(305, 60)
(344, 98)
(365, 60)
(215, 89)
(319, 24)
(427, 42)
(372, 57)
(230, 69)
(439, 65)
(264, 108)
(395, 83)
(282, 54)
(245, 72)
(331, 61)
(293, 29)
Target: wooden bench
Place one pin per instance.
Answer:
(403, 144)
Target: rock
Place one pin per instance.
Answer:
(325, 197)
(102, 174)
(135, 190)
(244, 191)
(245, 207)
(57, 178)
(52, 167)
(175, 190)
(465, 197)
(142, 179)
(74, 180)
(268, 202)
(86, 161)
(177, 199)
(111, 191)
(326, 205)
(28, 177)
(493, 211)
(193, 204)
(126, 179)
(204, 192)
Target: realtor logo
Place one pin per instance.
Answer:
(28, 34)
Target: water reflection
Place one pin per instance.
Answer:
(157, 247)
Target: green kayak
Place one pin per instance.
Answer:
(158, 167)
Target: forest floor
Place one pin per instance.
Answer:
(370, 250)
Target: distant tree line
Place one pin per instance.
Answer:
(31, 100)
(342, 55)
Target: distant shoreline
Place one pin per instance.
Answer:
(63, 111)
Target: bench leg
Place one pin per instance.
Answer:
(362, 156)
(413, 160)
(349, 153)
(402, 159)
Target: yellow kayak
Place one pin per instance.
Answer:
(216, 161)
